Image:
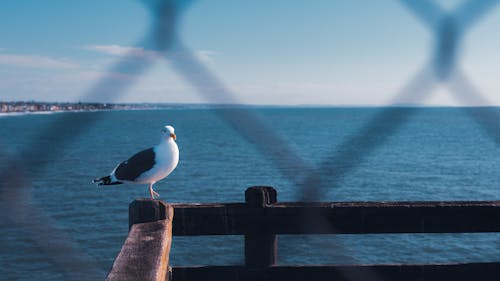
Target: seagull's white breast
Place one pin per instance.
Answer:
(166, 159)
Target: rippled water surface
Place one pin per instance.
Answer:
(437, 154)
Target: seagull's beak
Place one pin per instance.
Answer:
(173, 136)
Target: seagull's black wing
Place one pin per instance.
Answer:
(136, 165)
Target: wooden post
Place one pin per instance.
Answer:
(145, 253)
(260, 246)
(146, 210)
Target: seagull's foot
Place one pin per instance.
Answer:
(155, 194)
(152, 192)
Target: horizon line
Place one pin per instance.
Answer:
(408, 105)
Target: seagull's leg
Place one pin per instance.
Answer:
(155, 193)
(152, 192)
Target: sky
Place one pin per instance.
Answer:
(280, 52)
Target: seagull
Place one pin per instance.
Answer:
(147, 166)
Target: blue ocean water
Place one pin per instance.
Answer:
(432, 154)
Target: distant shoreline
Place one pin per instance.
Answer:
(40, 107)
(34, 107)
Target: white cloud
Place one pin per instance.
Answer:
(205, 56)
(36, 61)
(124, 51)
(105, 74)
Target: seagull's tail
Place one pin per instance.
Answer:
(105, 181)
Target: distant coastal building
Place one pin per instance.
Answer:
(32, 106)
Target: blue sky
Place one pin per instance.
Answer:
(266, 52)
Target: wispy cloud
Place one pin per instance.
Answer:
(124, 51)
(33, 61)
(205, 56)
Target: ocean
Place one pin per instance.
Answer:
(398, 154)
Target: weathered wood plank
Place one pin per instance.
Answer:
(341, 217)
(145, 253)
(433, 272)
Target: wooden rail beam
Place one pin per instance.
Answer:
(398, 272)
(337, 217)
(145, 253)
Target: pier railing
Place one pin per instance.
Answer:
(261, 218)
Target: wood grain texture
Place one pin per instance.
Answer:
(145, 253)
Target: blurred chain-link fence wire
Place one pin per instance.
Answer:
(448, 27)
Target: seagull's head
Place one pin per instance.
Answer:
(167, 133)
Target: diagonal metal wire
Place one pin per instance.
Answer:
(453, 27)
(449, 27)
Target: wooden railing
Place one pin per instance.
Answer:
(261, 218)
